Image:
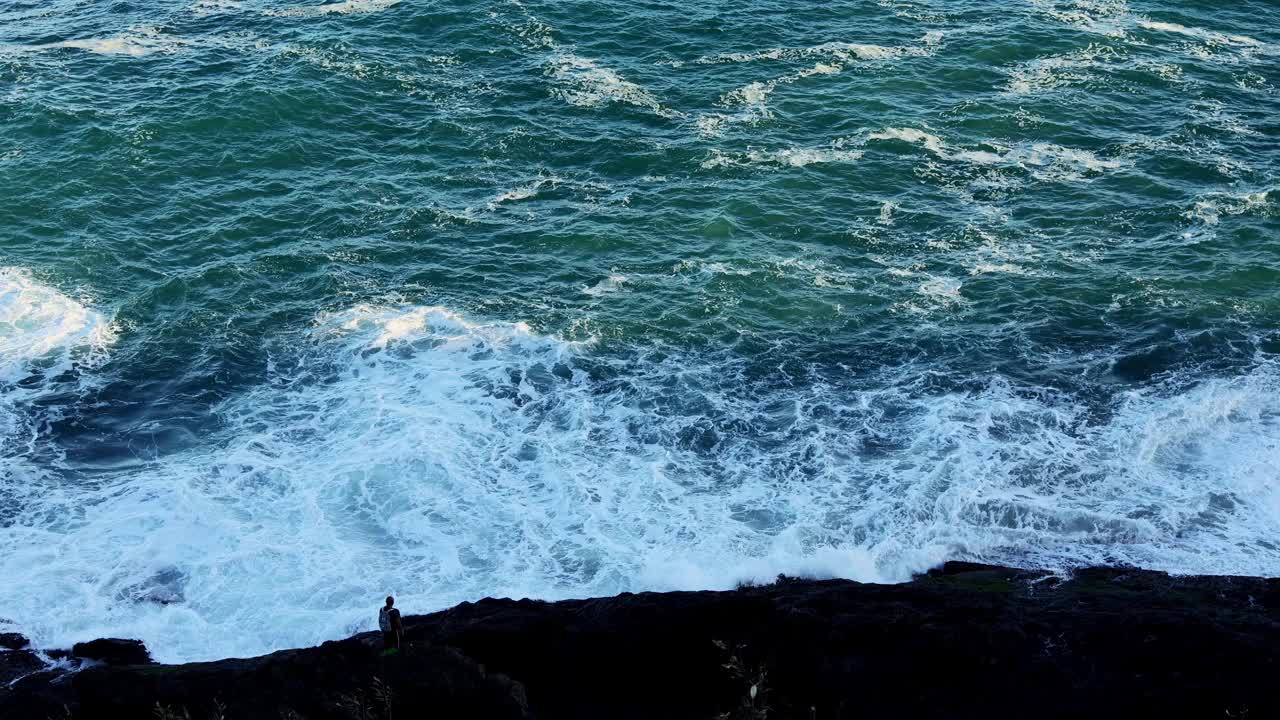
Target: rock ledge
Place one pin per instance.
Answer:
(964, 641)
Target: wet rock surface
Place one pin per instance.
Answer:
(12, 641)
(113, 651)
(966, 641)
(17, 663)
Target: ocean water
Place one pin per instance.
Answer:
(303, 304)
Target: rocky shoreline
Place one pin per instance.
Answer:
(963, 641)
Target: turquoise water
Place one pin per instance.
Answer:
(301, 305)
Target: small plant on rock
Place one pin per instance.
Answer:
(165, 712)
(356, 705)
(372, 703)
(753, 701)
(382, 695)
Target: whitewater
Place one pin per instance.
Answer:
(305, 304)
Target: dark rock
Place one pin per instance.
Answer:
(338, 680)
(968, 641)
(17, 663)
(961, 567)
(13, 641)
(113, 651)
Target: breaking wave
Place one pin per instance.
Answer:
(415, 451)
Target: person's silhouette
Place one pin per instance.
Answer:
(392, 630)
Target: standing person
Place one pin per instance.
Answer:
(392, 630)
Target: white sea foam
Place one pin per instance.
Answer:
(114, 46)
(830, 50)
(523, 192)
(1055, 162)
(929, 141)
(43, 328)
(886, 212)
(588, 84)
(415, 451)
(137, 42)
(801, 157)
(144, 40)
(579, 80)
(786, 157)
(349, 7)
(751, 101)
(1075, 68)
(611, 284)
(422, 490)
(45, 338)
(1200, 34)
(532, 31)
(1044, 161)
(941, 291)
(858, 51)
(759, 93)
(1210, 210)
(214, 7)
(1105, 17)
